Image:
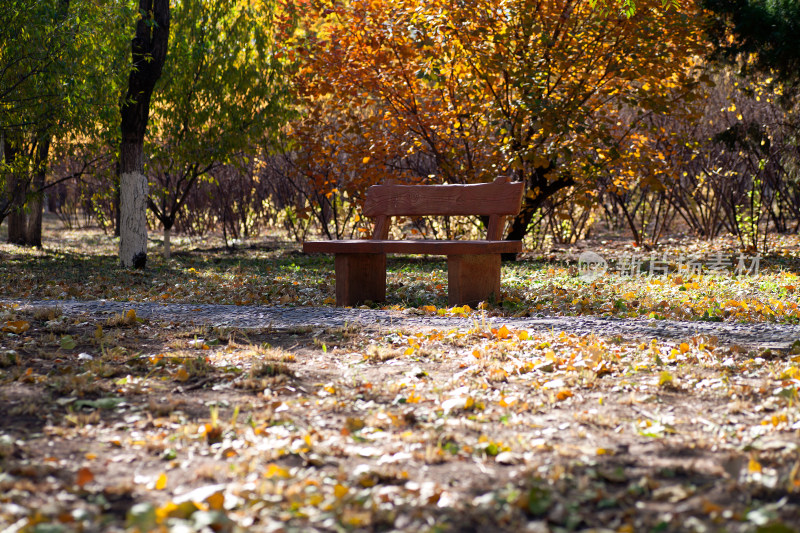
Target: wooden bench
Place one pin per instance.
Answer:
(473, 267)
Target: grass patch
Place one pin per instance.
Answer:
(85, 266)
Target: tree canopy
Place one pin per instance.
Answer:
(550, 93)
(766, 32)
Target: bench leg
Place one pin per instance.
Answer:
(472, 278)
(360, 277)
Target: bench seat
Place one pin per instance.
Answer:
(414, 246)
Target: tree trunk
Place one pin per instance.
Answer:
(167, 245)
(148, 52)
(116, 202)
(544, 189)
(33, 230)
(16, 225)
(16, 186)
(133, 212)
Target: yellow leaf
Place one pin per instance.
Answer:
(340, 491)
(173, 510)
(523, 335)
(684, 347)
(503, 333)
(792, 372)
(365, 160)
(216, 501)
(753, 466)
(162, 513)
(181, 375)
(563, 395)
(356, 518)
(161, 481)
(665, 378)
(16, 326)
(130, 316)
(274, 470)
(354, 424)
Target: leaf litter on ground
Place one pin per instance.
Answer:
(138, 425)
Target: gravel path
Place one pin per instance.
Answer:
(750, 335)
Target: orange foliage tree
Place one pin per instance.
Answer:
(554, 93)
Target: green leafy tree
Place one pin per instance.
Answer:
(221, 93)
(35, 95)
(57, 72)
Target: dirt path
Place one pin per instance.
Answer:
(747, 335)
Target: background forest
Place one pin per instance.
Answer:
(645, 118)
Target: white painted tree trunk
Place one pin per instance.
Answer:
(167, 244)
(133, 220)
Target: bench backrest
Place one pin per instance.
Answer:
(496, 200)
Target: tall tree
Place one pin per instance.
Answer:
(221, 95)
(36, 56)
(551, 93)
(59, 61)
(148, 53)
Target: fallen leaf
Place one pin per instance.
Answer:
(68, 343)
(340, 491)
(16, 326)
(502, 333)
(563, 395)
(83, 477)
(274, 471)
